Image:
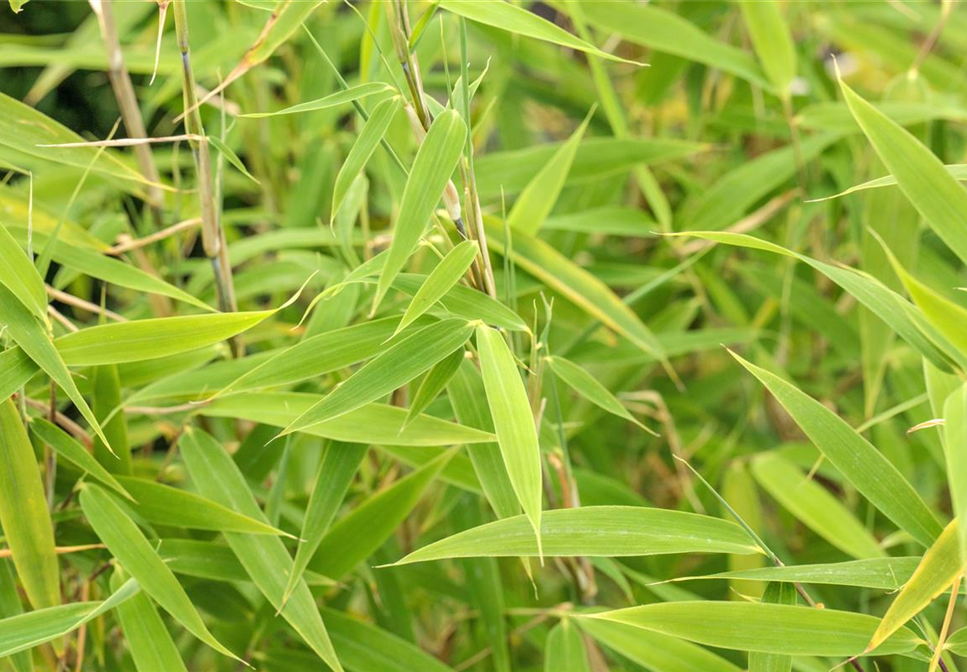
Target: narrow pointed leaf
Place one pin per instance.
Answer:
(588, 387)
(882, 573)
(513, 422)
(565, 649)
(335, 474)
(766, 628)
(921, 176)
(432, 168)
(391, 369)
(27, 527)
(126, 542)
(332, 100)
(937, 570)
(72, 451)
(264, 557)
(148, 639)
(440, 280)
(435, 381)
(17, 274)
(773, 43)
(605, 531)
(862, 464)
(366, 142)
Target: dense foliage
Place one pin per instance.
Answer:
(482, 335)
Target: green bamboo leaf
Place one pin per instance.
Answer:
(862, 464)
(230, 156)
(32, 338)
(513, 422)
(138, 340)
(357, 536)
(10, 606)
(336, 471)
(921, 176)
(148, 639)
(317, 356)
(588, 387)
(23, 632)
(519, 21)
(540, 195)
(164, 505)
(937, 570)
(653, 650)
(435, 381)
(880, 573)
(370, 135)
(214, 561)
(26, 130)
(565, 649)
(17, 273)
(469, 401)
(955, 437)
(332, 100)
(66, 447)
(766, 628)
(605, 531)
(814, 506)
(886, 304)
(372, 424)
(575, 284)
(740, 491)
(106, 390)
(27, 527)
(264, 557)
(116, 272)
(775, 593)
(391, 369)
(440, 280)
(772, 41)
(432, 168)
(465, 302)
(126, 542)
(16, 368)
(665, 31)
(947, 317)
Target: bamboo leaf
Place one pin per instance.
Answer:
(69, 449)
(772, 41)
(862, 465)
(432, 168)
(332, 100)
(600, 531)
(880, 573)
(937, 570)
(513, 423)
(366, 143)
(264, 557)
(519, 21)
(35, 342)
(435, 381)
(24, 516)
(921, 176)
(164, 505)
(775, 593)
(766, 628)
(588, 387)
(565, 649)
(539, 196)
(444, 276)
(148, 639)
(333, 478)
(126, 542)
(391, 369)
(955, 436)
(23, 632)
(17, 273)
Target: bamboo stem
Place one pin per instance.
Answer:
(213, 236)
(128, 102)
